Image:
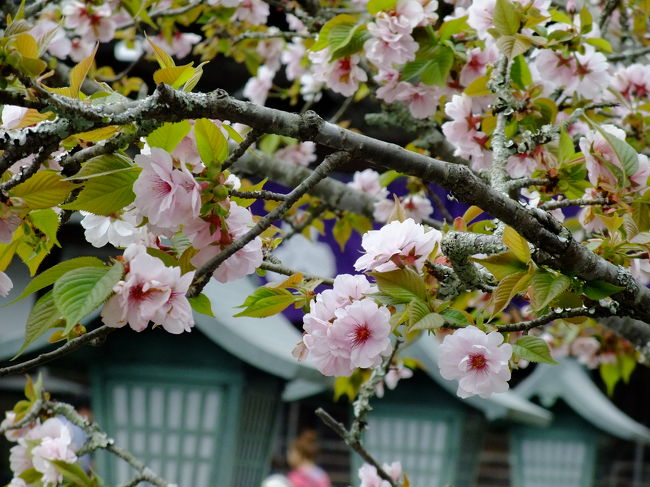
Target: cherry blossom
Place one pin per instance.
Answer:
(591, 76)
(300, 154)
(397, 245)
(118, 230)
(271, 50)
(179, 44)
(463, 132)
(370, 478)
(150, 291)
(80, 49)
(56, 444)
(252, 11)
(292, 56)
(585, 349)
(521, 165)
(477, 61)
(15, 434)
(257, 87)
(367, 181)
(209, 238)
(166, 195)
(59, 45)
(92, 22)
(5, 284)
(421, 99)
(12, 116)
(342, 75)
(415, 206)
(391, 41)
(393, 376)
(478, 361)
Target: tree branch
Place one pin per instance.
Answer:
(92, 336)
(592, 312)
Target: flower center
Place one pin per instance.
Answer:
(361, 335)
(477, 361)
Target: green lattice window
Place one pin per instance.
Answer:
(179, 422)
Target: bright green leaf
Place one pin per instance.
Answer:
(520, 74)
(42, 317)
(104, 165)
(432, 321)
(47, 221)
(545, 287)
(44, 189)
(169, 135)
(517, 244)
(506, 18)
(107, 194)
(80, 291)
(404, 285)
(376, 6)
(210, 142)
(201, 304)
(533, 349)
(502, 265)
(597, 290)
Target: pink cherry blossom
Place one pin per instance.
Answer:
(92, 22)
(415, 206)
(585, 349)
(521, 165)
(5, 284)
(15, 434)
(478, 361)
(80, 49)
(292, 56)
(56, 444)
(370, 478)
(164, 194)
(12, 116)
(252, 11)
(118, 230)
(150, 291)
(480, 14)
(390, 85)
(463, 132)
(632, 82)
(391, 41)
(342, 75)
(20, 458)
(179, 44)
(421, 99)
(332, 357)
(367, 181)
(210, 239)
(555, 67)
(393, 376)
(396, 245)
(591, 76)
(300, 154)
(257, 87)
(589, 216)
(477, 61)
(271, 50)
(59, 45)
(640, 269)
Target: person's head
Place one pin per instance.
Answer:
(303, 450)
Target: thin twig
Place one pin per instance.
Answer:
(30, 417)
(342, 109)
(204, 273)
(250, 139)
(556, 315)
(439, 204)
(281, 269)
(552, 205)
(271, 35)
(258, 195)
(97, 334)
(340, 430)
(630, 54)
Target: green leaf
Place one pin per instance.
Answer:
(432, 321)
(517, 244)
(49, 276)
(455, 317)
(597, 290)
(478, 87)
(103, 165)
(452, 27)
(267, 301)
(566, 149)
(169, 135)
(342, 231)
(73, 474)
(43, 316)
(201, 304)
(107, 194)
(502, 265)
(545, 287)
(519, 73)
(533, 349)
(513, 46)
(47, 221)
(80, 291)
(625, 153)
(627, 364)
(601, 44)
(404, 285)
(376, 6)
(506, 18)
(586, 20)
(432, 70)
(507, 289)
(417, 309)
(345, 39)
(79, 72)
(323, 36)
(611, 374)
(234, 135)
(44, 189)
(31, 475)
(210, 142)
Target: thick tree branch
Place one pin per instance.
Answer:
(592, 312)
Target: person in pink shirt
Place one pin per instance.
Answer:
(301, 457)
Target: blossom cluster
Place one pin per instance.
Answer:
(37, 445)
(370, 478)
